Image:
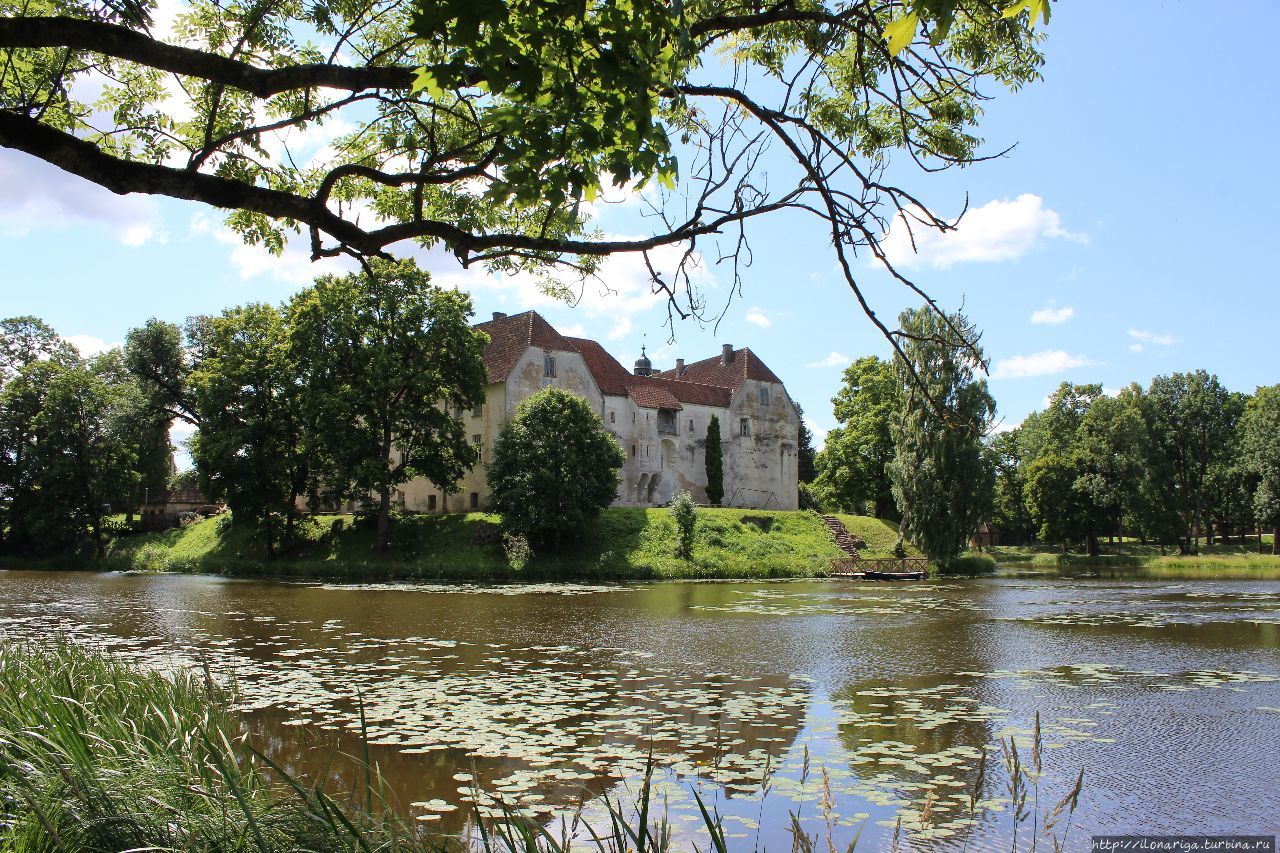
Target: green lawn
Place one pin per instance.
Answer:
(1232, 555)
(623, 544)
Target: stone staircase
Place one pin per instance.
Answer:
(846, 541)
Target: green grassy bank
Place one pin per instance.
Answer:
(1234, 558)
(623, 544)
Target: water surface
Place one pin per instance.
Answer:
(1167, 693)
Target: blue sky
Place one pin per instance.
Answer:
(1125, 235)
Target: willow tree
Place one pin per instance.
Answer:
(486, 128)
(941, 481)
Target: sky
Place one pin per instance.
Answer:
(1124, 236)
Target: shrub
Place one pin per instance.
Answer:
(517, 549)
(808, 499)
(685, 515)
(969, 564)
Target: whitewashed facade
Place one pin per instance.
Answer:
(659, 418)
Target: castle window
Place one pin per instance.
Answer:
(633, 451)
(744, 426)
(764, 396)
(431, 503)
(613, 417)
(549, 366)
(478, 410)
(690, 424)
(475, 500)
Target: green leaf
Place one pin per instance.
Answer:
(899, 33)
(426, 81)
(1034, 8)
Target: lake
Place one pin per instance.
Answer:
(765, 698)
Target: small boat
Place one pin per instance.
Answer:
(893, 576)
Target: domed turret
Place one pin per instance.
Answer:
(644, 366)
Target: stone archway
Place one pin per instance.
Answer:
(642, 489)
(653, 487)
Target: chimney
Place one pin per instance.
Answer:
(498, 315)
(679, 367)
(726, 353)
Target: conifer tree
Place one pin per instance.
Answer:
(715, 463)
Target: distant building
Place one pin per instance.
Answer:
(985, 536)
(659, 418)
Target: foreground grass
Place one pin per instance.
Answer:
(100, 756)
(624, 544)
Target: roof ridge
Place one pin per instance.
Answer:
(684, 381)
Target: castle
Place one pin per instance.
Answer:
(659, 418)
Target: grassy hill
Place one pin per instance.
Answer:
(623, 544)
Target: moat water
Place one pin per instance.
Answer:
(766, 698)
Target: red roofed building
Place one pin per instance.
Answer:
(659, 418)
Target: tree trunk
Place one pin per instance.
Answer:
(1275, 540)
(1091, 544)
(384, 517)
(100, 547)
(271, 543)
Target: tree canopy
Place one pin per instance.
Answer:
(385, 361)
(941, 482)
(554, 467)
(853, 463)
(487, 127)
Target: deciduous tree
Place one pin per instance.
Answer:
(385, 361)
(1260, 440)
(554, 467)
(855, 458)
(249, 448)
(489, 133)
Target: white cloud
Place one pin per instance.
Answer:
(819, 434)
(88, 345)
(292, 266)
(757, 316)
(1005, 426)
(39, 196)
(620, 292)
(1038, 364)
(996, 231)
(577, 330)
(833, 360)
(1052, 316)
(1152, 338)
(620, 329)
(1136, 347)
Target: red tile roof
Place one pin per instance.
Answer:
(712, 371)
(704, 383)
(609, 374)
(652, 396)
(510, 336)
(686, 392)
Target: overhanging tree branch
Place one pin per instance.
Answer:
(124, 43)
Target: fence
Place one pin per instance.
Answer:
(854, 565)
